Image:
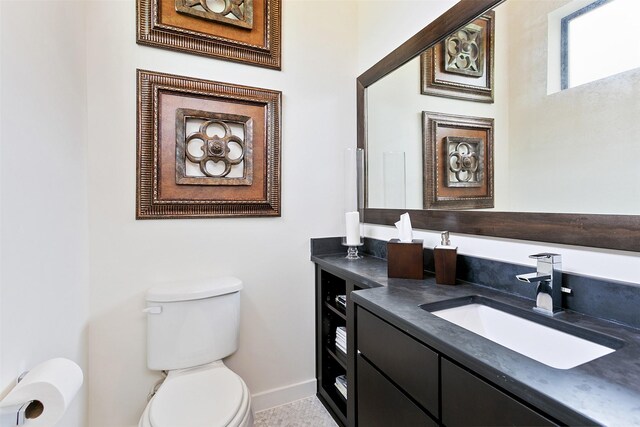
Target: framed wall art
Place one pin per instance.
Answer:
(246, 31)
(206, 149)
(458, 161)
(461, 66)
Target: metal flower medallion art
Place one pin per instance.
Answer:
(215, 148)
(461, 66)
(465, 161)
(221, 157)
(464, 52)
(232, 12)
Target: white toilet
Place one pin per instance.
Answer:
(191, 327)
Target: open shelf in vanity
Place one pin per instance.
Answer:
(331, 361)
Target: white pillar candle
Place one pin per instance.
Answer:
(353, 228)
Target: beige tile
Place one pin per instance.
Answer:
(307, 412)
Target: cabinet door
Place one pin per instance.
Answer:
(407, 362)
(381, 404)
(469, 401)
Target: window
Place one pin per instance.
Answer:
(603, 29)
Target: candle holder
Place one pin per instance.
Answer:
(352, 250)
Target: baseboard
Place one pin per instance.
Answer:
(280, 396)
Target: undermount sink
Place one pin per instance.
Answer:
(512, 328)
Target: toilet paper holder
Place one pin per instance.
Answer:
(42, 395)
(29, 410)
(24, 411)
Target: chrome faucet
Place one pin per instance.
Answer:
(548, 276)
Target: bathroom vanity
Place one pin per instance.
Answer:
(407, 366)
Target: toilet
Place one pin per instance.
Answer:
(191, 327)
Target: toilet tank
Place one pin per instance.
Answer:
(192, 323)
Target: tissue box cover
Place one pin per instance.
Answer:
(404, 260)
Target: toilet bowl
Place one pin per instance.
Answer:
(207, 396)
(191, 327)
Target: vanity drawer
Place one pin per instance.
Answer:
(469, 401)
(408, 363)
(382, 404)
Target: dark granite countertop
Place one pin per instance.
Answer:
(604, 391)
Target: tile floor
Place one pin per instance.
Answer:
(307, 412)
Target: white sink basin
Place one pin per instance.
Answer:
(546, 345)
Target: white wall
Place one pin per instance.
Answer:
(603, 263)
(382, 25)
(271, 255)
(590, 261)
(44, 265)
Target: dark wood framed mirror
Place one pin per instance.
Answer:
(619, 232)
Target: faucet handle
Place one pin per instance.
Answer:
(554, 258)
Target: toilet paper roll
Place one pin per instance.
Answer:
(52, 385)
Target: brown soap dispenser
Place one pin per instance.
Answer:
(445, 260)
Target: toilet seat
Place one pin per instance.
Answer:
(207, 396)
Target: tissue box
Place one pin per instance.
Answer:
(404, 260)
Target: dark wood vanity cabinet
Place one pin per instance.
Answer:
(402, 382)
(405, 361)
(382, 404)
(470, 401)
(393, 379)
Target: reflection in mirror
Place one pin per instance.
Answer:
(562, 151)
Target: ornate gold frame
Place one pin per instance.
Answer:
(158, 194)
(436, 81)
(221, 42)
(437, 193)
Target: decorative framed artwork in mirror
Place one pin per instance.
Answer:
(206, 149)
(245, 31)
(458, 161)
(461, 66)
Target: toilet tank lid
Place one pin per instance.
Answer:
(193, 289)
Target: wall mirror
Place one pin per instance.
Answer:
(558, 157)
